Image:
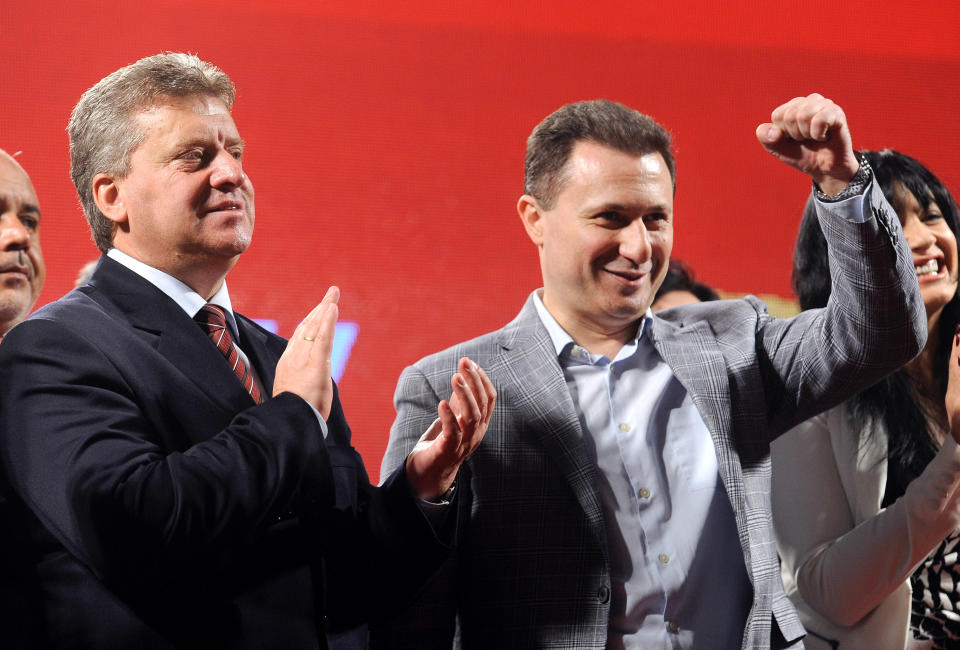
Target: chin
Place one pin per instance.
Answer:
(628, 312)
(14, 308)
(935, 304)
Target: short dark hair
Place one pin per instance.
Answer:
(680, 277)
(600, 121)
(893, 402)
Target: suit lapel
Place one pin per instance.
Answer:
(170, 331)
(691, 351)
(544, 403)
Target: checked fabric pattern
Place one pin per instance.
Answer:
(214, 323)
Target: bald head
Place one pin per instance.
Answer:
(21, 262)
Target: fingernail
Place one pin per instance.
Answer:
(475, 366)
(462, 382)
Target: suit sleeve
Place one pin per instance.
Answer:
(384, 547)
(873, 323)
(80, 453)
(841, 569)
(95, 441)
(428, 620)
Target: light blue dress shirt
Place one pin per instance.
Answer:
(677, 570)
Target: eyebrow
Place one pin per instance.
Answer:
(26, 207)
(205, 142)
(619, 207)
(33, 209)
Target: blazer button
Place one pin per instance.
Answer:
(603, 594)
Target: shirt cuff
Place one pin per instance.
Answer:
(856, 208)
(323, 424)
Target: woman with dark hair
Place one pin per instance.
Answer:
(867, 495)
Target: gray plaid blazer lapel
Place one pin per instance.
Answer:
(691, 351)
(544, 405)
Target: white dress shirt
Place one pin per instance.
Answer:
(677, 571)
(191, 302)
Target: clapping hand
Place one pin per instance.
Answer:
(433, 464)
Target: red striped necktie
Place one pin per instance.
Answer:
(214, 323)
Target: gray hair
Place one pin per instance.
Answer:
(103, 129)
(600, 121)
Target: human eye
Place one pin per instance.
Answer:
(192, 157)
(30, 220)
(610, 218)
(655, 219)
(932, 214)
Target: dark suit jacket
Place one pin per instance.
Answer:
(164, 508)
(533, 570)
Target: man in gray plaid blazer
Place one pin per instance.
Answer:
(621, 498)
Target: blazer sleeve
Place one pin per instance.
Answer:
(80, 453)
(874, 321)
(844, 570)
(383, 547)
(259, 494)
(428, 620)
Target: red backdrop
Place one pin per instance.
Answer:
(386, 141)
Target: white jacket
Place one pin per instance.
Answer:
(845, 563)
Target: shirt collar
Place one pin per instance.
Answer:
(189, 300)
(563, 342)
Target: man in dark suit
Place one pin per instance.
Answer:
(187, 477)
(621, 498)
(22, 272)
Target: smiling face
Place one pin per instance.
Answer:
(21, 262)
(605, 244)
(934, 248)
(185, 207)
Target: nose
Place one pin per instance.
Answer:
(918, 235)
(226, 171)
(14, 235)
(635, 242)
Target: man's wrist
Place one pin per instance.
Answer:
(857, 185)
(446, 496)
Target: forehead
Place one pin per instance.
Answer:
(604, 173)
(15, 185)
(904, 199)
(178, 118)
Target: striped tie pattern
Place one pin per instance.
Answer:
(214, 322)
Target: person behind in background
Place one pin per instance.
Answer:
(621, 497)
(186, 477)
(866, 499)
(22, 273)
(681, 288)
(21, 261)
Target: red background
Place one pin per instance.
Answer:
(386, 140)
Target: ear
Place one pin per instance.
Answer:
(532, 217)
(106, 194)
